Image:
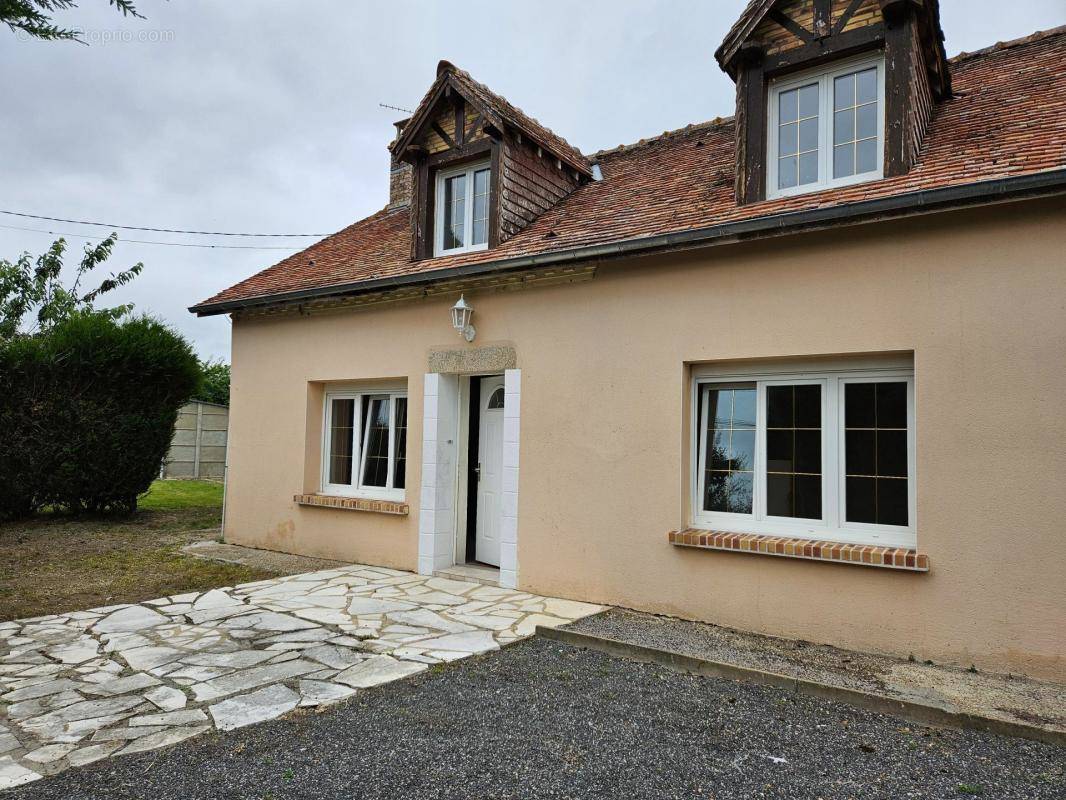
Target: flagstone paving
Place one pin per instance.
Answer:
(79, 687)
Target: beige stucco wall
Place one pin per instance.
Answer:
(978, 296)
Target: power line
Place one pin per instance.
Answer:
(164, 230)
(146, 241)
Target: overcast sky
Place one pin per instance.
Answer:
(248, 115)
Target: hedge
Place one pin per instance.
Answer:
(87, 412)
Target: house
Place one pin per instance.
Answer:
(800, 370)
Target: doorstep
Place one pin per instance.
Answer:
(478, 573)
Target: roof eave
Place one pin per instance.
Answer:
(927, 201)
(742, 28)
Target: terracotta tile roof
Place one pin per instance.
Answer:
(1007, 118)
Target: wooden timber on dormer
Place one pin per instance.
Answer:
(775, 37)
(461, 120)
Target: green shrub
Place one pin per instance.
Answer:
(214, 385)
(87, 410)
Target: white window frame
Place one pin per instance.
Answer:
(824, 78)
(355, 488)
(468, 208)
(833, 525)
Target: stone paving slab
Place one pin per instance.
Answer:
(79, 687)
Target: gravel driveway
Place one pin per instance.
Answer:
(1013, 699)
(544, 720)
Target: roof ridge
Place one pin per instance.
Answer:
(1009, 43)
(717, 122)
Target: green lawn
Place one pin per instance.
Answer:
(171, 495)
(53, 562)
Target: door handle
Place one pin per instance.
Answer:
(477, 471)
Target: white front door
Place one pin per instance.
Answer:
(490, 471)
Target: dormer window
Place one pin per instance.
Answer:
(461, 142)
(831, 92)
(462, 222)
(826, 128)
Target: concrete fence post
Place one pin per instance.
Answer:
(199, 439)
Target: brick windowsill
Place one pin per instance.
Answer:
(352, 503)
(900, 558)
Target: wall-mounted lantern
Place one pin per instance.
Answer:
(461, 313)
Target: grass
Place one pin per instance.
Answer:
(54, 562)
(180, 495)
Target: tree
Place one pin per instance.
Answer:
(36, 289)
(87, 411)
(34, 17)
(88, 397)
(214, 382)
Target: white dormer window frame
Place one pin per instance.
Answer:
(461, 210)
(823, 110)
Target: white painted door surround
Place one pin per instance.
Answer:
(440, 480)
(490, 471)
